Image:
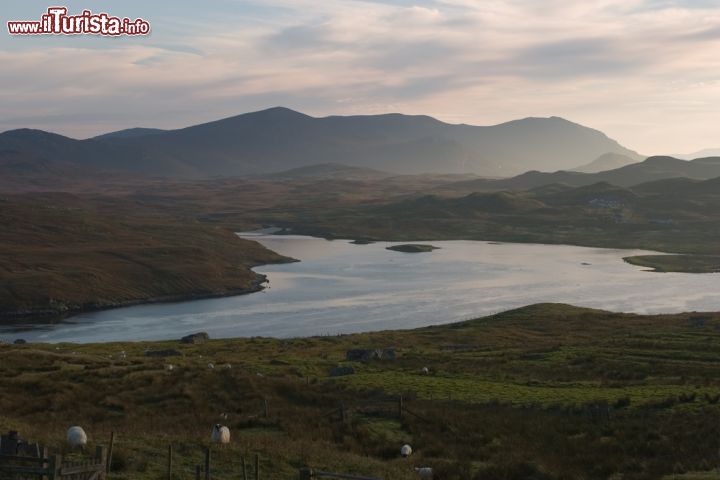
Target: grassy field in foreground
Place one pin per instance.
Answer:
(543, 392)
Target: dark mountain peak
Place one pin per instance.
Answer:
(663, 160)
(384, 123)
(31, 133)
(130, 132)
(531, 174)
(258, 119)
(393, 116)
(276, 113)
(660, 158)
(534, 121)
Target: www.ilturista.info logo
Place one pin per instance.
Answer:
(57, 22)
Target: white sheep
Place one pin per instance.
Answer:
(211, 366)
(425, 370)
(220, 434)
(406, 450)
(170, 367)
(76, 438)
(424, 472)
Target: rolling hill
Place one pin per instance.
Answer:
(280, 139)
(608, 161)
(676, 215)
(61, 253)
(650, 170)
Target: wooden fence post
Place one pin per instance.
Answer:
(207, 463)
(267, 410)
(101, 458)
(110, 452)
(170, 461)
(400, 406)
(54, 467)
(257, 467)
(305, 474)
(244, 468)
(45, 458)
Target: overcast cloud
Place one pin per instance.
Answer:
(646, 72)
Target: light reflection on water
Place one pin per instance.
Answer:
(339, 287)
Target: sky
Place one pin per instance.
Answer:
(645, 72)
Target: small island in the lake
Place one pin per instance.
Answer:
(412, 248)
(362, 241)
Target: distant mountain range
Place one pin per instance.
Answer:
(607, 161)
(280, 139)
(708, 152)
(650, 170)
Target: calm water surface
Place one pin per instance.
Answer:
(339, 287)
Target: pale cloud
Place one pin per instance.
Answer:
(646, 72)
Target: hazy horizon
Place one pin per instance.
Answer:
(640, 71)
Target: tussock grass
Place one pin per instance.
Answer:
(548, 391)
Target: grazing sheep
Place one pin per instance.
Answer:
(211, 366)
(220, 434)
(424, 472)
(425, 370)
(406, 450)
(76, 438)
(170, 367)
